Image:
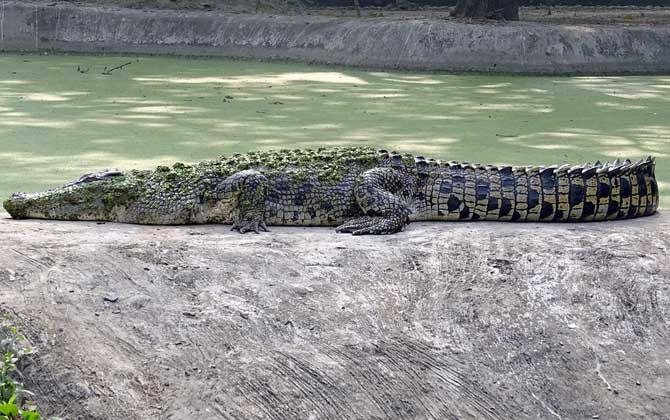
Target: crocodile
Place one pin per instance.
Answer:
(358, 189)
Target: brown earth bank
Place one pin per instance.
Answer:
(580, 15)
(443, 321)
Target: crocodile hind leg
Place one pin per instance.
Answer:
(249, 188)
(379, 193)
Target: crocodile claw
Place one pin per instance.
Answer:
(373, 225)
(254, 225)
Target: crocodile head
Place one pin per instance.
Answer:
(94, 196)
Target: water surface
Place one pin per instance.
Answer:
(61, 116)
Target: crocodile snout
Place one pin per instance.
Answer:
(16, 204)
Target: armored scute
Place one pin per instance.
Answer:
(360, 190)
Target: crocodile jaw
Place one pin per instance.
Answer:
(57, 205)
(96, 196)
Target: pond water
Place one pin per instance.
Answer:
(61, 116)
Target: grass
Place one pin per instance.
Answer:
(60, 116)
(13, 402)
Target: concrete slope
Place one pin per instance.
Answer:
(443, 321)
(370, 42)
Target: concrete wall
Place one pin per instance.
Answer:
(382, 43)
(382, 3)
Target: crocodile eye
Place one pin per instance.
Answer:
(95, 176)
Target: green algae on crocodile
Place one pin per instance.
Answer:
(361, 190)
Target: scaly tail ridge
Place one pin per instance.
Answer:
(583, 193)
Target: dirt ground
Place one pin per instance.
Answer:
(569, 15)
(443, 321)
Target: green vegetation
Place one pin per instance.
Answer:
(13, 405)
(61, 117)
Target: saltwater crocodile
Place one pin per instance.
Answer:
(360, 190)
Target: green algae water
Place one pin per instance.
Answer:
(61, 116)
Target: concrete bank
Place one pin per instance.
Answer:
(370, 42)
(487, 321)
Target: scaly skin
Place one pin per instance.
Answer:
(360, 190)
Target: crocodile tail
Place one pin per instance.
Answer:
(591, 192)
(621, 190)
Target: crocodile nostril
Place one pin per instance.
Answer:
(18, 196)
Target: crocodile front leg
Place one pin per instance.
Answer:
(249, 188)
(379, 193)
